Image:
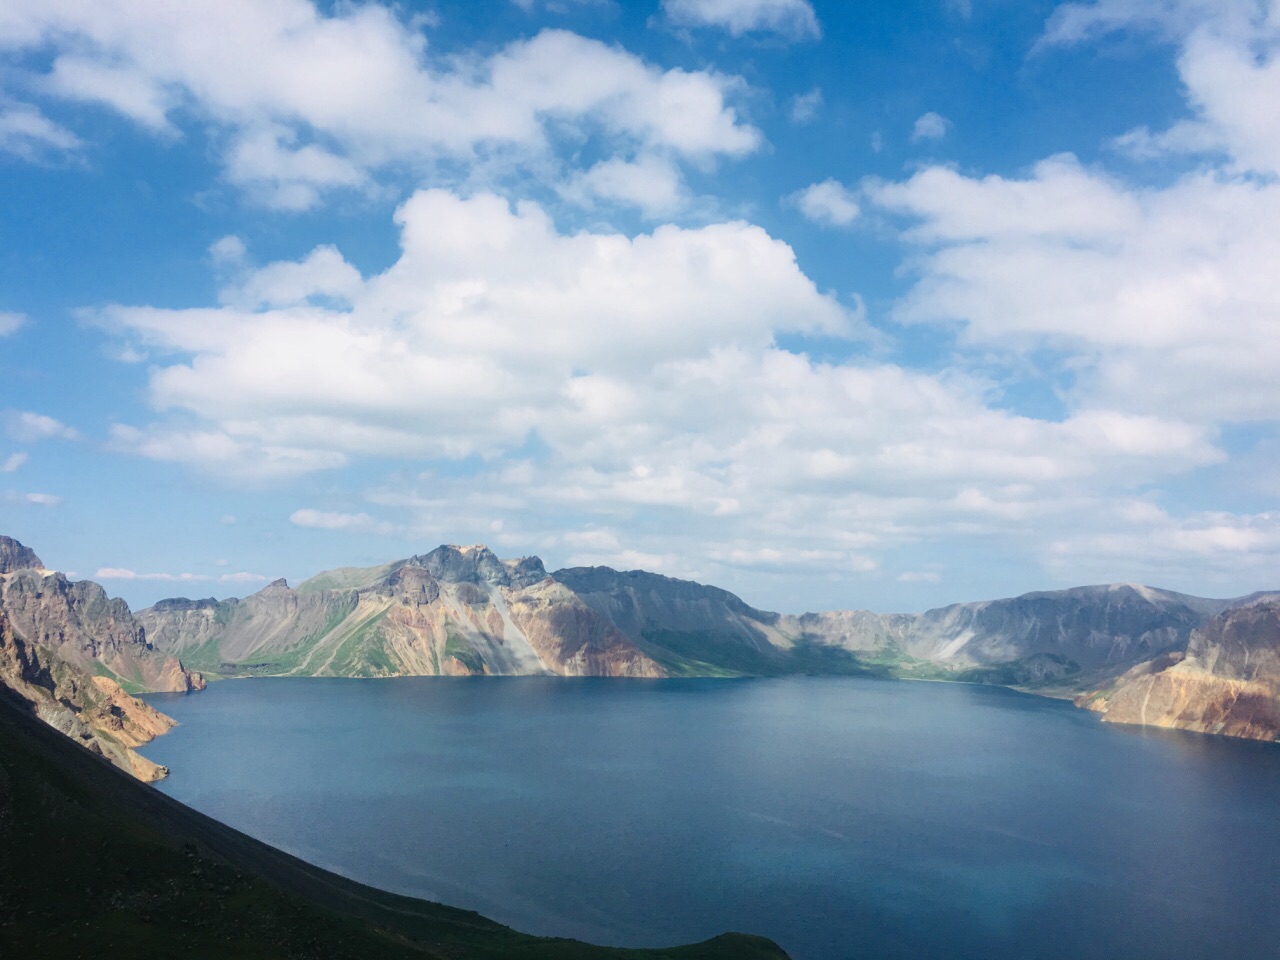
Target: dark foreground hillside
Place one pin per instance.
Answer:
(93, 864)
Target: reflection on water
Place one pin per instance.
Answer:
(842, 817)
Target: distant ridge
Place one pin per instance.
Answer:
(462, 610)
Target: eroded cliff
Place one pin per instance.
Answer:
(453, 611)
(94, 711)
(1226, 682)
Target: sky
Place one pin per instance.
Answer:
(837, 305)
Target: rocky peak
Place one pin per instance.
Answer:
(14, 556)
(476, 564)
(525, 571)
(411, 583)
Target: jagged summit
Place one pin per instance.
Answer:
(476, 563)
(447, 563)
(14, 556)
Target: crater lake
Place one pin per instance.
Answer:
(844, 818)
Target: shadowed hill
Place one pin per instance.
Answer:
(93, 863)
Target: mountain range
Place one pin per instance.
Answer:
(1135, 654)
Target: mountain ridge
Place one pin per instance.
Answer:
(461, 610)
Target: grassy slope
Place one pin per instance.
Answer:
(93, 863)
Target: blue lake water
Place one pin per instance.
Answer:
(842, 817)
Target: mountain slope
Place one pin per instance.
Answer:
(95, 864)
(91, 710)
(1227, 681)
(67, 653)
(86, 629)
(690, 628)
(1069, 637)
(456, 610)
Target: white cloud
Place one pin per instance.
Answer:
(920, 576)
(237, 452)
(829, 203)
(652, 184)
(1080, 22)
(27, 133)
(322, 275)
(1141, 541)
(26, 426)
(228, 519)
(36, 499)
(1228, 61)
(121, 573)
(598, 539)
(486, 302)
(1162, 297)
(930, 126)
(647, 369)
(14, 462)
(131, 93)
(10, 322)
(806, 106)
(349, 522)
(243, 577)
(560, 6)
(791, 18)
(307, 102)
(229, 250)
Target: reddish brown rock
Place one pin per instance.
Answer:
(1227, 682)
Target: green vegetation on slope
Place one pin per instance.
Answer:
(93, 863)
(456, 646)
(706, 653)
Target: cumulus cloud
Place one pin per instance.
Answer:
(594, 378)
(1161, 296)
(790, 18)
(830, 203)
(487, 301)
(26, 426)
(930, 126)
(13, 463)
(652, 184)
(1227, 61)
(310, 102)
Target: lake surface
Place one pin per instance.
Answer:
(842, 817)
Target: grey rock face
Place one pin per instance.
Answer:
(14, 556)
(638, 602)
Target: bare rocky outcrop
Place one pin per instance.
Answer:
(569, 634)
(89, 630)
(457, 610)
(1226, 682)
(14, 556)
(68, 651)
(94, 711)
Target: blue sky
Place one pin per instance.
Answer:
(837, 305)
